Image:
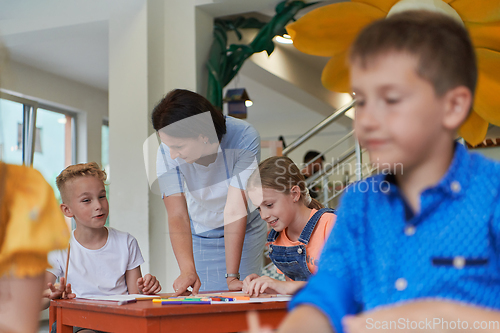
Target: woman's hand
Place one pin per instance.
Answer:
(186, 280)
(234, 284)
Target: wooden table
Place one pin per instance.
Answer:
(146, 316)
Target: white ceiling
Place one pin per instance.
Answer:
(67, 38)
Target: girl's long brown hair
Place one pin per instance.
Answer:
(281, 174)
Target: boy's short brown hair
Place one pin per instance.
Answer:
(79, 170)
(443, 47)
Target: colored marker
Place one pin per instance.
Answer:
(172, 302)
(197, 302)
(215, 299)
(159, 300)
(226, 299)
(184, 302)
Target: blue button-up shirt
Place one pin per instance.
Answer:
(378, 254)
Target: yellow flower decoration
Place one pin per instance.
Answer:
(329, 31)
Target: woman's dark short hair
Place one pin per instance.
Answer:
(180, 104)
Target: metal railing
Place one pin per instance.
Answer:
(327, 199)
(322, 175)
(347, 136)
(327, 121)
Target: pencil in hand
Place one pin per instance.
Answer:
(66, 273)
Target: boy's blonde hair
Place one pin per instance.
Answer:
(445, 54)
(79, 170)
(281, 174)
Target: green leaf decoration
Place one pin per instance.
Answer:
(224, 61)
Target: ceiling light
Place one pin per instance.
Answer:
(285, 39)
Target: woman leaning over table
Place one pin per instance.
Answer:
(203, 164)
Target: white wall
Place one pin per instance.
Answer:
(155, 46)
(128, 109)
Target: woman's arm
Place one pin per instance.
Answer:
(182, 243)
(235, 223)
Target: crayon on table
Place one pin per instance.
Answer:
(184, 302)
(180, 301)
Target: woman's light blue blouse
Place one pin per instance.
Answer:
(206, 187)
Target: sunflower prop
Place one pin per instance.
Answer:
(329, 31)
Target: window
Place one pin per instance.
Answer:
(53, 146)
(54, 149)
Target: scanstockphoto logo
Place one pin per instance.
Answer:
(185, 157)
(429, 324)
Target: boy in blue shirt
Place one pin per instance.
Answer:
(416, 247)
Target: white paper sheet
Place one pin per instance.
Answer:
(120, 297)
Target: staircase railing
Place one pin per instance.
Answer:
(324, 123)
(322, 175)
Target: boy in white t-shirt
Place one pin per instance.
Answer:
(103, 261)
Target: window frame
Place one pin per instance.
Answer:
(30, 108)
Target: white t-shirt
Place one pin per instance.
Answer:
(98, 272)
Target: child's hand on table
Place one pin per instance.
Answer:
(148, 285)
(255, 285)
(56, 290)
(250, 277)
